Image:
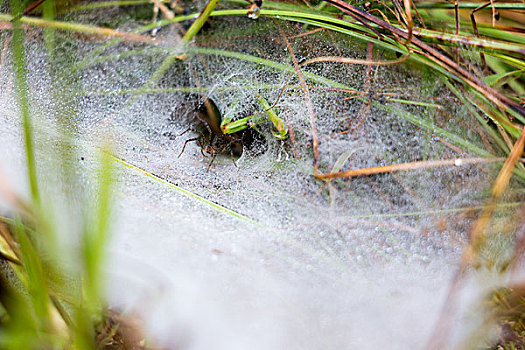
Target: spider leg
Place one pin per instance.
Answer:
(185, 143)
(212, 159)
(190, 129)
(233, 159)
(229, 146)
(198, 139)
(202, 147)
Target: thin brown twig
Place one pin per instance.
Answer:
(28, 22)
(365, 108)
(418, 15)
(313, 31)
(307, 98)
(308, 4)
(493, 13)
(168, 14)
(451, 146)
(409, 166)
(410, 24)
(354, 61)
(399, 10)
(31, 8)
(475, 27)
(27, 11)
(334, 89)
(352, 98)
(505, 135)
(293, 139)
(282, 90)
(385, 18)
(367, 62)
(394, 13)
(7, 257)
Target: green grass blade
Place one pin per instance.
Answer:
(19, 61)
(187, 193)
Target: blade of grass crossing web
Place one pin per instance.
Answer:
(19, 62)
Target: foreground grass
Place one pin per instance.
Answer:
(483, 68)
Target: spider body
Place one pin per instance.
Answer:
(211, 139)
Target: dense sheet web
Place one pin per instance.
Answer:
(258, 254)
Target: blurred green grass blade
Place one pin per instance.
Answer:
(18, 324)
(105, 4)
(36, 280)
(503, 118)
(49, 12)
(20, 70)
(187, 193)
(84, 330)
(510, 60)
(416, 103)
(504, 71)
(96, 236)
(268, 63)
(499, 79)
(500, 34)
(190, 34)
(199, 22)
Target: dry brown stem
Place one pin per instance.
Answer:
(164, 9)
(408, 166)
(477, 238)
(354, 60)
(307, 98)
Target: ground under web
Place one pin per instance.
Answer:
(260, 255)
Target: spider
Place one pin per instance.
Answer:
(211, 139)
